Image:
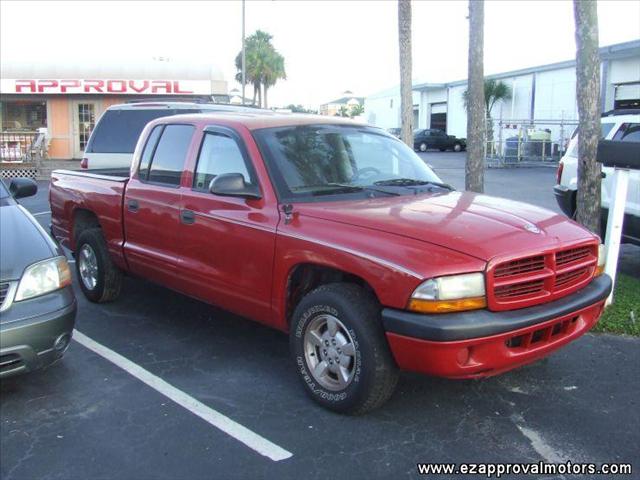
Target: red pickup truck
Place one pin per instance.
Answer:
(339, 234)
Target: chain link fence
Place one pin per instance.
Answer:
(517, 142)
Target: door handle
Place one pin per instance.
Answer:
(187, 217)
(133, 206)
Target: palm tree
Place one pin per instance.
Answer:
(475, 100)
(587, 91)
(264, 65)
(252, 73)
(343, 112)
(494, 91)
(356, 110)
(406, 97)
(273, 70)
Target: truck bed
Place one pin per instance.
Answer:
(89, 195)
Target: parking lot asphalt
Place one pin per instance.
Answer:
(86, 417)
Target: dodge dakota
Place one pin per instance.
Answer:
(339, 234)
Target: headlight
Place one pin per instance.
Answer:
(44, 277)
(453, 293)
(602, 260)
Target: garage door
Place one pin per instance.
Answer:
(627, 96)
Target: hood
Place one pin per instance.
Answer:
(477, 225)
(22, 242)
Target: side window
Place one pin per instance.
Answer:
(629, 132)
(169, 156)
(219, 154)
(145, 159)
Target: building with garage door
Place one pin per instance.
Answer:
(544, 96)
(63, 102)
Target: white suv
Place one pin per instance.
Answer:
(114, 137)
(623, 126)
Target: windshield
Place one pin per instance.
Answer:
(325, 160)
(572, 149)
(4, 193)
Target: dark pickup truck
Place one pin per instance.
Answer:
(339, 234)
(424, 140)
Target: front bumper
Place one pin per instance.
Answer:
(30, 339)
(564, 198)
(484, 343)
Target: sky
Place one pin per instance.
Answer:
(329, 46)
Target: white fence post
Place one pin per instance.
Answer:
(614, 223)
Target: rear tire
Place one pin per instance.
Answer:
(340, 349)
(423, 147)
(99, 278)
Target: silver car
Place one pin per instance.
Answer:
(37, 304)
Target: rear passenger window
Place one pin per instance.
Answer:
(145, 159)
(118, 130)
(629, 132)
(170, 154)
(219, 154)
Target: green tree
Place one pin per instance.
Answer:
(494, 91)
(343, 112)
(299, 109)
(356, 110)
(273, 70)
(264, 64)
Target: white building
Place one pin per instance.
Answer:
(540, 94)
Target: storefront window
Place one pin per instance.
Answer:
(23, 115)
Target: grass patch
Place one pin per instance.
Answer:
(617, 318)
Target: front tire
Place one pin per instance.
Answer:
(423, 147)
(99, 278)
(457, 147)
(340, 350)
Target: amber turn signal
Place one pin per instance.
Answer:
(601, 261)
(446, 306)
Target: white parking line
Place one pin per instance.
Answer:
(550, 454)
(215, 418)
(41, 213)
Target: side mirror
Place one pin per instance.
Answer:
(233, 185)
(23, 187)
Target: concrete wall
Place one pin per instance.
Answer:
(383, 109)
(456, 112)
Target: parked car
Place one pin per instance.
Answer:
(425, 139)
(339, 234)
(622, 126)
(114, 137)
(37, 305)
(395, 132)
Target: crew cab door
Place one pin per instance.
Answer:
(152, 204)
(227, 243)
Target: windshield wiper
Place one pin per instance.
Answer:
(410, 182)
(342, 188)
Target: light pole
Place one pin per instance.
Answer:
(244, 78)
